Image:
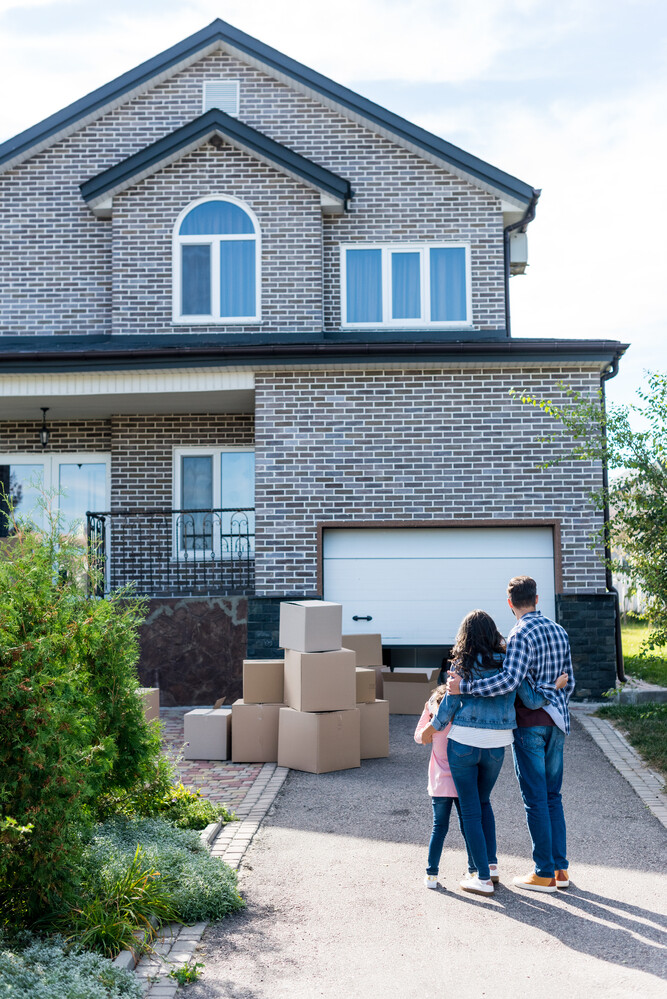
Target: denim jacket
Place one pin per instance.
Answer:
(485, 712)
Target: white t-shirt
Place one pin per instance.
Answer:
(481, 738)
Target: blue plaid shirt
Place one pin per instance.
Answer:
(539, 650)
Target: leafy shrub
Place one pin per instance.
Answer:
(71, 721)
(126, 912)
(162, 794)
(31, 968)
(198, 886)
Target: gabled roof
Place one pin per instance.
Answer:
(154, 157)
(220, 35)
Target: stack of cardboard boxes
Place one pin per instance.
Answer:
(316, 710)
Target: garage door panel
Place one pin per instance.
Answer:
(439, 542)
(422, 600)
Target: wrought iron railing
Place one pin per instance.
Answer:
(165, 552)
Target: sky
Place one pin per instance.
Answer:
(571, 97)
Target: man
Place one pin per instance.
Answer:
(539, 649)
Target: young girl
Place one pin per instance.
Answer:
(478, 728)
(441, 789)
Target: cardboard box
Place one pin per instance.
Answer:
(255, 732)
(207, 733)
(263, 681)
(151, 699)
(310, 625)
(374, 721)
(408, 690)
(365, 685)
(367, 647)
(319, 743)
(320, 681)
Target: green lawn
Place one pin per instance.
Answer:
(645, 726)
(652, 669)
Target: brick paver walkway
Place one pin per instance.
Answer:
(223, 782)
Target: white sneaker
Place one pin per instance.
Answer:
(477, 887)
(431, 880)
(495, 873)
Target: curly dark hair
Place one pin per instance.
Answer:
(477, 637)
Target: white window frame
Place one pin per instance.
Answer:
(51, 460)
(214, 318)
(185, 554)
(425, 275)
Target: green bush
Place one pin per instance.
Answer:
(163, 794)
(126, 911)
(198, 886)
(71, 721)
(31, 968)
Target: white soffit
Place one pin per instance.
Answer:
(101, 394)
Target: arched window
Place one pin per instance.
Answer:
(216, 263)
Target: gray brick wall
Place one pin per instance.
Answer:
(64, 271)
(441, 444)
(66, 435)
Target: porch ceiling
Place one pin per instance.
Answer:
(100, 395)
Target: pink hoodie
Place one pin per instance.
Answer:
(440, 782)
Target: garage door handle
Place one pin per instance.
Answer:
(356, 617)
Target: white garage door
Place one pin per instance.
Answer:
(417, 584)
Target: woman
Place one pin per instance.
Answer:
(481, 728)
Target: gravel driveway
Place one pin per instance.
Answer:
(337, 907)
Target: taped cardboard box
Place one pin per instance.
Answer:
(255, 732)
(365, 684)
(263, 681)
(310, 625)
(367, 647)
(207, 733)
(151, 698)
(408, 690)
(320, 681)
(319, 742)
(374, 724)
(369, 653)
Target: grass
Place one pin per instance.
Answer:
(651, 668)
(646, 728)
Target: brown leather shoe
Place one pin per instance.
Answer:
(535, 883)
(562, 879)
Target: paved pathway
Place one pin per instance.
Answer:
(220, 782)
(336, 906)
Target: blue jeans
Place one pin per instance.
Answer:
(475, 771)
(442, 809)
(538, 761)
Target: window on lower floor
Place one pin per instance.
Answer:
(405, 284)
(214, 501)
(77, 483)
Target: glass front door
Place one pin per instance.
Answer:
(70, 484)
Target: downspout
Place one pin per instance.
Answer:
(522, 224)
(611, 372)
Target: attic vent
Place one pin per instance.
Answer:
(222, 94)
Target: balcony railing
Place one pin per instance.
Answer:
(172, 553)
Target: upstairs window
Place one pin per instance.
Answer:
(405, 284)
(216, 263)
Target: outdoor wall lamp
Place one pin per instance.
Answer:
(44, 432)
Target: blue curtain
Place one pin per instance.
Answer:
(405, 286)
(364, 286)
(448, 284)
(216, 218)
(237, 277)
(196, 279)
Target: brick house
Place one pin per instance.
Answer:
(268, 322)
